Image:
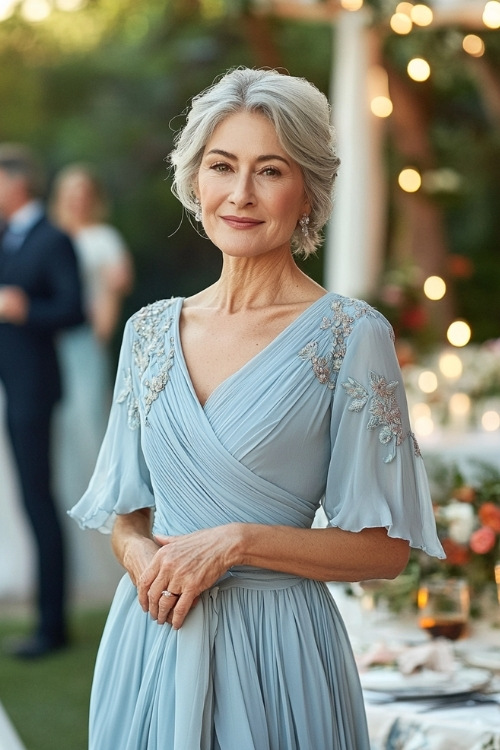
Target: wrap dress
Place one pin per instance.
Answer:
(318, 417)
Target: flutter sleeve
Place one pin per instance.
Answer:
(376, 476)
(121, 481)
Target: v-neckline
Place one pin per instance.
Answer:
(249, 363)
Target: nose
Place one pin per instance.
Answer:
(242, 193)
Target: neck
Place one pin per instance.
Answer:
(257, 282)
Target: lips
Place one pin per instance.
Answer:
(241, 222)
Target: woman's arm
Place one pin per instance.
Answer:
(188, 565)
(132, 542)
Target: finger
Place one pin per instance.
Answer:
(165, 606)
(181, 610)
(162, 539)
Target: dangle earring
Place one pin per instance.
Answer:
(304, 221)
(197, 214)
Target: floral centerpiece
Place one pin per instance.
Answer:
(468, 521)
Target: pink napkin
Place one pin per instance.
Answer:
(436, 655)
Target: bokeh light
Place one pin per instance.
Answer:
(381, 106)
(459, 333)
(351, 5)
(418, 69)
(473, 45)
(490, 421)
(459, 404)
(35, 11)
(400, 23)
(421, 15)
(491, 14)
(427, 381)
(451, 365)
(434, 287)
(409, 180)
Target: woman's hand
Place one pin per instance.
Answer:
(186, 566)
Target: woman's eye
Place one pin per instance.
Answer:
(271, 172)
(220, 167)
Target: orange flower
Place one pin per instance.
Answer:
(465, 494)
(489, 515)
(483, 540)
(456, 554)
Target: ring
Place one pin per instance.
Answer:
(168, 593)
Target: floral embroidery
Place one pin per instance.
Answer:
(384, 410)
(128, 395)
(326, 368)
(151, 326)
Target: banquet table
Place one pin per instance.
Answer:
(425, 723)
(407, 725)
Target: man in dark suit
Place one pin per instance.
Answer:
(39, 295)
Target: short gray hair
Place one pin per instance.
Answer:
(19, 160)
(300, 114)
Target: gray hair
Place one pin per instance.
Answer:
(19, 160)
(300, 114)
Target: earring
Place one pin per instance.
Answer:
(304, 221)
(197, 214)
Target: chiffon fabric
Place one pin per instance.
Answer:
(319, 416)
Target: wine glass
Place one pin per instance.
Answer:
(443, 607)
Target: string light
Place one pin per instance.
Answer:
(351, 5)
(405, 8)
(427, 381)
(491, 14)
(7, 9)
(451, 365)
(418, 69)
(400, 23)
(421, 15)
(490, 421)
(459, 333)
(434, 287)
(378, 91)
(409, 180)
(473, 45)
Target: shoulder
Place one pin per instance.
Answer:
(346, 314)
(152, 315)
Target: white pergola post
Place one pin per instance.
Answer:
(355, 235)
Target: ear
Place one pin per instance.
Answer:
(306, 206)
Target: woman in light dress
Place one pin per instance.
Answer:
(79, 206)
(237, 413)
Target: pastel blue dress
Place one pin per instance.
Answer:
(318, 417)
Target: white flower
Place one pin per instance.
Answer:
(460, 520)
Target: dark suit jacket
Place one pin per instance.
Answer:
(46, 268)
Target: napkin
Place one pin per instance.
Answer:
(436, 655)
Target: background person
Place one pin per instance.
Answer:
(237, 412)
(79, 206)
(39, 295)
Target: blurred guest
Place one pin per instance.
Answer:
(79, 206)
(39, 295)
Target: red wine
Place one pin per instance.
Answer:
(443, 627)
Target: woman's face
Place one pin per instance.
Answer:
(76, 197)
(251, 192)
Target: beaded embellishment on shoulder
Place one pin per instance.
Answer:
(345, 312)
(151, 325)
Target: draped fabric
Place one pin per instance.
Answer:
(319, 416)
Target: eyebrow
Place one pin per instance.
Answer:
(264, 157)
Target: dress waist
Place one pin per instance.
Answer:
(247, 577)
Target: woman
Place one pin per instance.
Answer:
(237, 412)
(79, 206)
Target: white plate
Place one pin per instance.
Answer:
(425, 683)
(488, 658)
